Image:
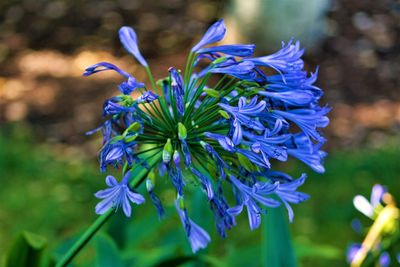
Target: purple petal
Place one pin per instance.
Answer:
(128, 39)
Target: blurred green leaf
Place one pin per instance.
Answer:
(107, 252)
(27, 250)
(277, 249)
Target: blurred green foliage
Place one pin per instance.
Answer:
(48, 189)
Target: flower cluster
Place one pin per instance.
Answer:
(221, 124)
(382, 235)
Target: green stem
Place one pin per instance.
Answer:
(139, 172)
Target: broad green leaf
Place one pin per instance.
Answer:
(27, 250)
(277, 249)
(107, 252)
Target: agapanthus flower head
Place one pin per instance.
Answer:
(221, 127)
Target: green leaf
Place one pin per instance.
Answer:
(27, 250)
(107, 253)
(277, 249)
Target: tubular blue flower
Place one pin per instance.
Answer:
(117, 105)
(242, 70)
(103, 66)
(308, 120)
(147, 97)
(117, 195)
(307, 152)
(215, 33)
(177, 89)
(288, 194)
(293, 98)
(128, 38)
(205, 183)
(216, 157)
(223, 219)
(114, 151)
(223, 141)
(198, 237)
(286, 60)
(239, 50)
(129, 86)
(154, 199)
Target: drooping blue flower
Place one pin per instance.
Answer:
(117, 195)
(224, 141)
(288, 194)
(115, 151)
(308, 120)
(219, 206)
(103, 66)
(147, 97)
(241, 50)
(215, 33)
(286, 60)
(198, 237)
(244, 114)
(242, 70)
(129, 86)
(294, 97)
(205, 183)
(117, 105)
(307, 152)
(128, 38)
(155, 200)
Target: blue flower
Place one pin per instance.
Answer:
(155, 200)
(205, 183)
(114, 151)
(242, 70)
(215, 33)
(177, 89)
(307, 152)
(198, 237)
(286, 60)
(117, 195)
(128, 38)
(117, 105)
(308, 120)
(224, 141)
(103, 66)
(147, 97)
(129, 86)
(292, 97)
(240, 50)
(288, 194)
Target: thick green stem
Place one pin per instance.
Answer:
(139, 172)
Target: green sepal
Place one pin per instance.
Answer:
(224, 114)
(211, 92)
(182, 133)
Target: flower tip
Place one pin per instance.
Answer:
(128, 39)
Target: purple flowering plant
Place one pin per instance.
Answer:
(220, 124)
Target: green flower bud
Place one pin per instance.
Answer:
(167, 152)
(224, 114)
(211, 92)
(181, 131)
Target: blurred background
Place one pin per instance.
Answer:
(48, 167)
